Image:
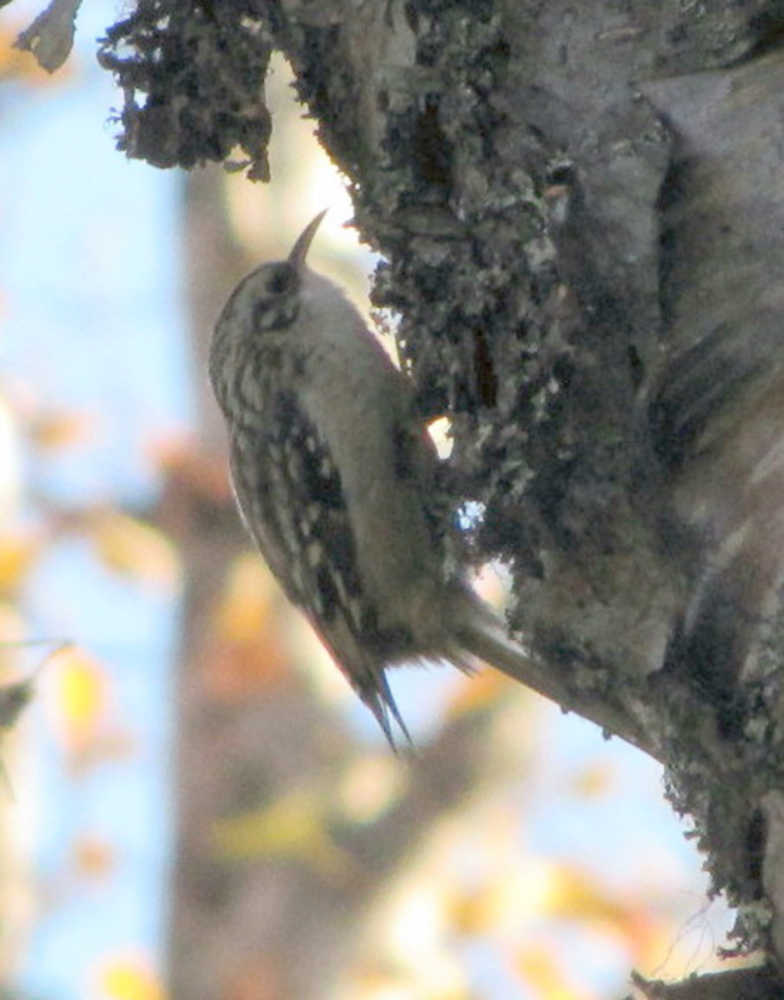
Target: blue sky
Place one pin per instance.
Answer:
(92, 321)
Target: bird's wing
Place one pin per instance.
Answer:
(289, 492)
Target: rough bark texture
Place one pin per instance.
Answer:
(582, 215)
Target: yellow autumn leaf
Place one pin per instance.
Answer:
(478, 911)
(80, 694)
(244, 609)
(130, 979)
(293, 826)
(17, 553)
(476, 692)
(573, 894)
(540, 969)
(137, 549)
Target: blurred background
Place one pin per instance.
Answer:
(193, 804)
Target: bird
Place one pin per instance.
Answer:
(334, 472)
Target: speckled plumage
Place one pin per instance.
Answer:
(333, 472)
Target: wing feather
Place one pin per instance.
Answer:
(289, 491)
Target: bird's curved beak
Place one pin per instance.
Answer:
(300, 249)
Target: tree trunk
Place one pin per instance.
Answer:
(582, 215)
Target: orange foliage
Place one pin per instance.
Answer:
(18, 551)
(56, 429)
(544, 972)
(476, 692)
(245, 653)
(180, 457)
(93, 858)
(129, 546)
(573, 894)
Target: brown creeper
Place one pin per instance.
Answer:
(332, 469)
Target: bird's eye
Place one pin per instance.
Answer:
(280, 280)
